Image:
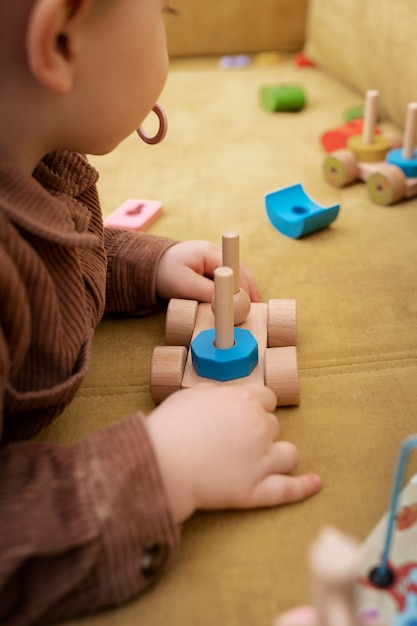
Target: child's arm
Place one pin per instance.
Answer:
(218, 448)
(132, 261)
(82, 527)
(143, 269)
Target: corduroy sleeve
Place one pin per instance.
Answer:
(82, 527)
(132, 261)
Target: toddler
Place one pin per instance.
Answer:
(91, 525)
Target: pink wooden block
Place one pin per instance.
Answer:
(135, 214)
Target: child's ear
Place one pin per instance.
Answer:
(52, 41)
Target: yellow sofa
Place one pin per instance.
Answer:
(355, 284)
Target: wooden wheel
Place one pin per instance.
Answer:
(340, 168)
(167, 369)
(387, 186)
(282, 323)
(180, 322)
(281, 374)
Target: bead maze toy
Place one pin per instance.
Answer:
(366, 585)
(294, 214)
(231, 341)
(334, 565)
(390, 173)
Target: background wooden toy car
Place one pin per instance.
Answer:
(272, 325)
(390, 173)
(397, 178)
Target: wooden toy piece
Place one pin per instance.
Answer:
(261, 350)
(409, 151)
(369, 146)
(281, 374)
(390, 174)
(225, 352)
(276, 368)
(341, 168)
(230, 255)
(282, 323)
(406, 159)
(282, 98)
(387, 185)
(234, 61)
(370, 113)
(268, 58)
(230, 258)
(335, 562)
(337, 138)
(397, 178)
(294, 214)
(302, 60)
(180, 322)
(223, 309)
(135, 214)
(354, 113)
(168, 363)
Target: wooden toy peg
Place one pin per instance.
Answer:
(223, 308)
(370, 116)
(369, 147)
(410, 132)
(230, 254)
(334, 562)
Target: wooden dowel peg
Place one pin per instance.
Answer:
(230, 254)
(370, 115)
(231, 258)
(410, 132)
(223, 308)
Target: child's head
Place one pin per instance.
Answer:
(77, 74)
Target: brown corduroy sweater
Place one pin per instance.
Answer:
(86, 526)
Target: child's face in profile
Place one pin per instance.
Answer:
(127, 57)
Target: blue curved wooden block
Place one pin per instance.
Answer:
(294, 214)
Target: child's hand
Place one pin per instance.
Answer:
(217, 448)
(186, 270)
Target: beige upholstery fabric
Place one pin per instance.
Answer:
(368, 44)
(236, 26)
(355, 286)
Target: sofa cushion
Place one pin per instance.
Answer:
(368, 45)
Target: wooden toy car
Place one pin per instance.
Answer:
(390, 172)
(231, 341)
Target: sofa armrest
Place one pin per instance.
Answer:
(368, 45)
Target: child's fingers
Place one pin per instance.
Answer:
(265, 395)
(194, 286)
(284, 458)
(247, 282)
(280, 489)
